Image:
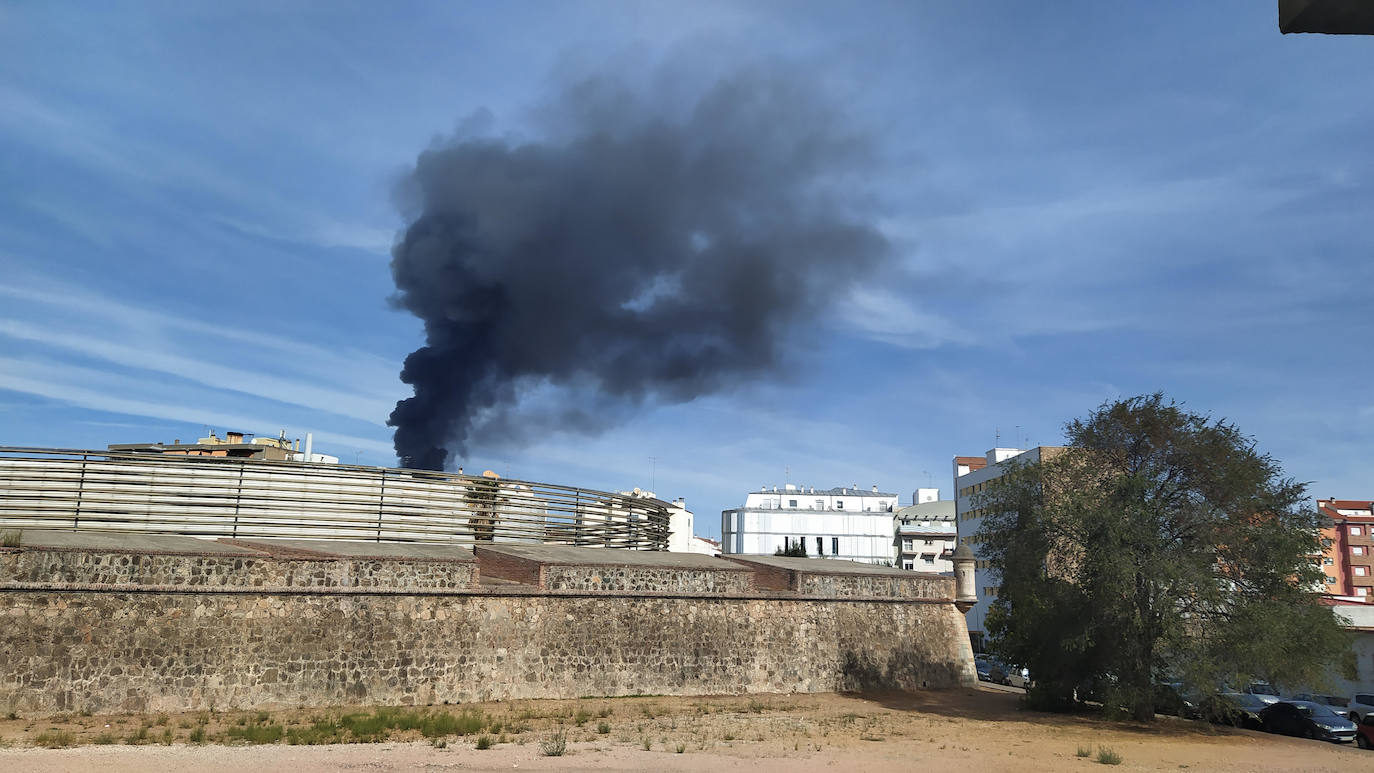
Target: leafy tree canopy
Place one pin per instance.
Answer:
(1158, 546)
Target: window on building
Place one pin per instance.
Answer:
(834, 546)
(839, 504)
(1361, 571)
(791, 503)
(908, 565)
(1356, 531)
(928, 558)
(1328, 561)
(930, 542)
(820, 504)
(1361, 591)
(1330, 580)
(907, 544)
(1357, 550)
(820, 546)
(1326, 543)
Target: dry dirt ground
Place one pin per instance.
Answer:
(960, 730)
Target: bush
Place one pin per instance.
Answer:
(1084, 751)
(483, 742)
(1107, 756)
(555, 746)
(603, 727)
(55, 739)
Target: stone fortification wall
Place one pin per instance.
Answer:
(233, 570)
(71, 644)
(643, 578)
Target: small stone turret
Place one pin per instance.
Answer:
(965, 587)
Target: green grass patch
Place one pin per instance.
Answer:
(483, 742)
(603, 727)
(55, 739)
(257, 734)
(1084, 751)
(1107, 756)
(105, 739)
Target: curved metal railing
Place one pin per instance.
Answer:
(227, 497)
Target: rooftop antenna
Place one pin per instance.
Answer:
(653, 473)
(927, 472)
(787, 473)
(997, 436)
(1018, 434)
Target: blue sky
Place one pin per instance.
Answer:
(1089, 203)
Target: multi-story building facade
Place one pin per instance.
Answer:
(972, 476)
(925, 533)
(846, 522)
(1349, 558)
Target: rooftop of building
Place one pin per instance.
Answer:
(838, 491)
(1340, 508)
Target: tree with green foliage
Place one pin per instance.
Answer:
(1158, 546)
(795, 549)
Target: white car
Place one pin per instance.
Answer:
(1018, 677)
(1359, 705)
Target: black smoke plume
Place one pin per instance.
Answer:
(646, 246)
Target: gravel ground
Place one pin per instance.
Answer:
(963, 730)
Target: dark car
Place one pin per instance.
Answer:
(1238, 709)
(1329, 700)
(1307, 720)
(1364, 736)
(989, 670)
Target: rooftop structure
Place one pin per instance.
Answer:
(840, 522)
(234, 444)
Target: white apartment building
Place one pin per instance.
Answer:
(972, 474)
(925, 533)
(847, 522)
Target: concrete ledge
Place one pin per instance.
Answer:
(552, 567)
(125, 542)
(833, 578)
(355, 549)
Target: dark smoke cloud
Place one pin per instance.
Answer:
(642, 249)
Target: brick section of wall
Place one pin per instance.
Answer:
(155, 651)
(644, 578)
(507, 567)
(70, 567)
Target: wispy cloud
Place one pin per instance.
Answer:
(96, 390)
(308, 393)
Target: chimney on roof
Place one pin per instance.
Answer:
(875, 488)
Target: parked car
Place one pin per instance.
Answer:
(1017, 677)
(989, 670)
(1364, 734)
(1262, 690)
(1307, 720)
(1176, 700)
(1359, 707)
(1335, 701)
(1238, 709)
